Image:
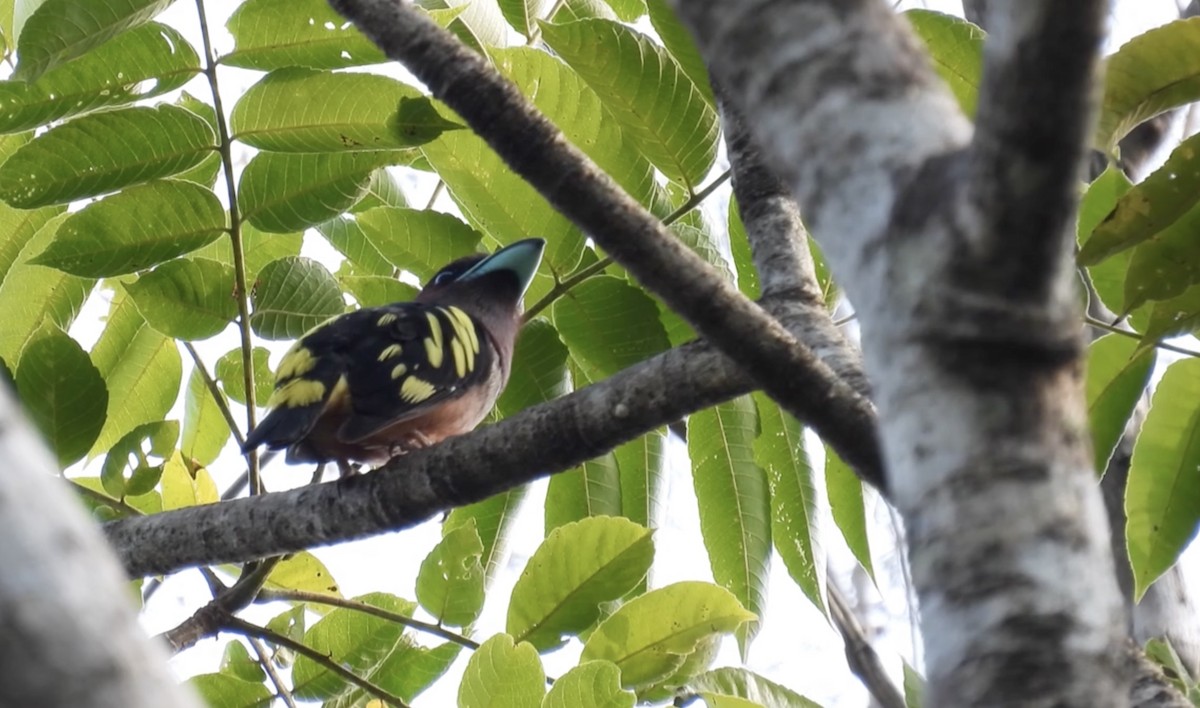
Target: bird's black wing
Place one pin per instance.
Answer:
(411, 357)
(392, 362)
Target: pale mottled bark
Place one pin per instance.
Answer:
(954, 246)
(70, 632)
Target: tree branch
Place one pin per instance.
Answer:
(1025, 164)
(973, 350)
(547, 438)
(535, 149)
(71, 636)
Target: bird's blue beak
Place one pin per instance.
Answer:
(521, 259)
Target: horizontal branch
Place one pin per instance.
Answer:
(539, 441)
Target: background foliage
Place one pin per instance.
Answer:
(194, 215)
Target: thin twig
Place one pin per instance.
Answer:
(264, 660)
(246, 629)
(217, 396)
(241, 290)
(1100, 324)
(860, 655)
(207, 621)
(303, 596)
(591, 269)
(102, 498)
(437, 192)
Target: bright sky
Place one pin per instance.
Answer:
(797, 646)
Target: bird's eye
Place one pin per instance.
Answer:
(442, 278)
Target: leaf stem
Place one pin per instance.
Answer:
(303, 596)
(264, 660)
(1100, 324)
(217, 396)
(241, 291)
(102, 498)
(563, 287)
(246, 629)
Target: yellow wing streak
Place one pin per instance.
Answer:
(386, 319)
(390, 351)
(296, 393)
(468, 327)
(297, 362)
(399, 371)
(460, 357)
(434, 351)
(415, 390)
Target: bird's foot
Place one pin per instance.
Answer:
(318, 474)
(346, 469)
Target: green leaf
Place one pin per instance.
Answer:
(795, 518)
(420, 242)
(591, 489)
(383, 191)
(62, 392)
(60, 30)
(914, 688)
(205, 430)
(1117, 374)
(450, 582)
(236, 662)
(136, 228)
(501, 675)
(743, 259)
(222, 690)
(651, 636)
(374, 290)
(578, 567)
(656, 103)
(641, 463)
(188, 298)
(303, 571)
(229, 372)
(1152, 73)
(129, 455)
(846, 501)
(280, 192)
(275, 34)
(523, 14)
(348, 237)
(1178, 315)
(679, 42)
(628, 10)
(734, 500)
(499, 202)
(1166, 266)
(539, 369)
(142, 63)
(609, 325)
(1162, 500)
(293, 295)
(592, 684)
(483, 19)
(183, 487)
(718, 685)
(29, 293)
(103, 153)
(1108, 276)
(141, 367)
(304, 110)
(407, 671)
(355, 640)
(493, 519)
(956, 48)
(1151, 207)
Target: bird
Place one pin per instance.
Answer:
(378, 382)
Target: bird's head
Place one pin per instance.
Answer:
(489, 287)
